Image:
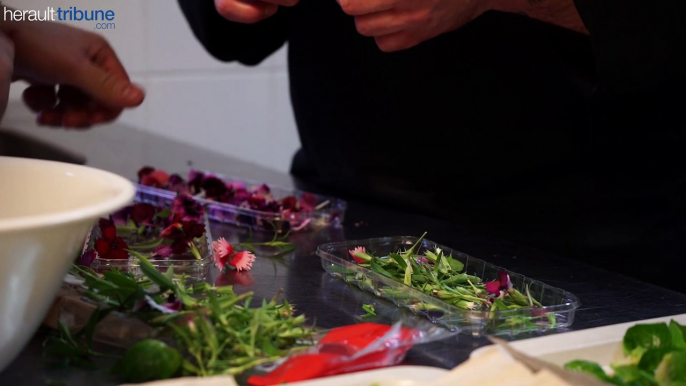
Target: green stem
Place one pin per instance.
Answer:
(410, 251)
(146, 246)
(194, 251)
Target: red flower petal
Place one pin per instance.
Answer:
(142, 213)
(193, 230)
(493, 287)
(172, 232)
(105, 223)
(288, 203)
(179, 246)
(102, 247)
(118, 254)
(109, 233)
(145, 170)
(242, 261)
(308, 201)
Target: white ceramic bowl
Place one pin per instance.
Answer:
(46, 209)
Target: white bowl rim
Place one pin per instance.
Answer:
(127, 192)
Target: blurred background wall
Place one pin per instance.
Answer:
(226, 108)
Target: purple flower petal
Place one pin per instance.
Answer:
(505, 282)
(86, 258)
(163, 251)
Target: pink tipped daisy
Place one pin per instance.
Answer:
(356, 250)
(223, 251)
(242, 261)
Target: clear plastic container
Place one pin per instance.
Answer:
(184, 264)
(337, 261)
(329, 211)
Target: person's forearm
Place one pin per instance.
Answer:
(562, 13)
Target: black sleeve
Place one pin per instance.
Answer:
(640, 45)
(229, 41)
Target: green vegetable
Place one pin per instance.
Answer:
(647, 336)
(149, 360)
(678, 335)
(589, 368)
(216, 332)
(369, 310)
(656, 354)
(672, 370)
(443, 277)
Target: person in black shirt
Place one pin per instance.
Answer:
(556, 124)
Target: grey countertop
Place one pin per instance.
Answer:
(606, 297)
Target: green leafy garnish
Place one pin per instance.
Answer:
(435, 273)
(213, 331)
(369, 310)
(656, 356)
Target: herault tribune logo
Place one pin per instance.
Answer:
(102, 19)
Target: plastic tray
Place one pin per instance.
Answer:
(331, 213)
(193, 268)
(337, 262)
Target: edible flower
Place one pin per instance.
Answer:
(144, 171)
(307, 202)
(111, 246)
(224, 254)
(289, 203)
(360, 255)
(142, 213)
(177, 184)
(503, 285)
(195, 179)
(121, 217)
(215, 189)
(86, 259)
(155, 178)
(242, 261)
(186, 208)
(223, 251)
(182, 235)
(163, 251)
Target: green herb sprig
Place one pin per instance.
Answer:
(216, 331)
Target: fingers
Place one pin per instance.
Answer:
(285, 3)
(398, 41)
(365, 7)
(106, 81)
(68, 107)
(245, 11)
(379, 24)
(108, 88)
(39, 98)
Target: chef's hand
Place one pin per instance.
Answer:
(250, 11)
(401, 24)
(76, 78)
(6, 70)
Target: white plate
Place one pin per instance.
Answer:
(390, 376)
(602, 345)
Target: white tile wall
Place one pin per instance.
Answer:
(240, 111)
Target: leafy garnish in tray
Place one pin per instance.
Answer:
(655, 356)
(369, 310)
(235, 193)
(201, 330)
(443, 276)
